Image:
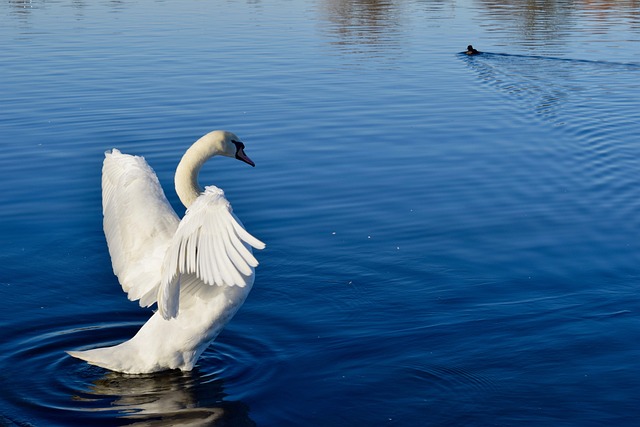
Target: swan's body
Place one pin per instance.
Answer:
(199, 269)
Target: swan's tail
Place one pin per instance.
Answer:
(96, 356)
(115, 358)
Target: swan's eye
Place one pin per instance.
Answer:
(240, 155)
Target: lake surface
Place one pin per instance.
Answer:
(451, 240)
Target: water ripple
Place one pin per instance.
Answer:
(591, 107)
(61, 388)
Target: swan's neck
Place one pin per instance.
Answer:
(186, 179)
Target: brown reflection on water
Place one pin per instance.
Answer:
(362, 22)
(549, 20)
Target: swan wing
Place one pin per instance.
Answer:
(139, 224)
(210, 247)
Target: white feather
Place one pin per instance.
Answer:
(139, 224)
(199, 269)
(208, 222)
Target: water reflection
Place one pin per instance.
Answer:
(358, 24)
(165, 399)
(24, 8)
(549, 20)
(20, 8)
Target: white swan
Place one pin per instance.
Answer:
(199, 270)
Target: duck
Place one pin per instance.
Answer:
(471, 51)
(199, 269)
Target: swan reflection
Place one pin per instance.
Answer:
(170, 398)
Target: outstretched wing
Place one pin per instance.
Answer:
(210, 247)
(139, 224)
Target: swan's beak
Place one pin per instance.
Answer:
(240, 155)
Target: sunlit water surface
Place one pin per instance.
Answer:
(451, 240)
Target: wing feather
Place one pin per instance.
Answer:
(245, 254)
(139, 224)
(243, 234)
(234, 264)
(210, 247)
(234, 256)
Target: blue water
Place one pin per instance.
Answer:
(451, 240)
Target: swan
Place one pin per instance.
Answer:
(199, 270)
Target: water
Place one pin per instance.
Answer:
(451, 240)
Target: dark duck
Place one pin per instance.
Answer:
(471, 50)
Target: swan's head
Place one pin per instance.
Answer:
(224, 143)
(218, 142)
